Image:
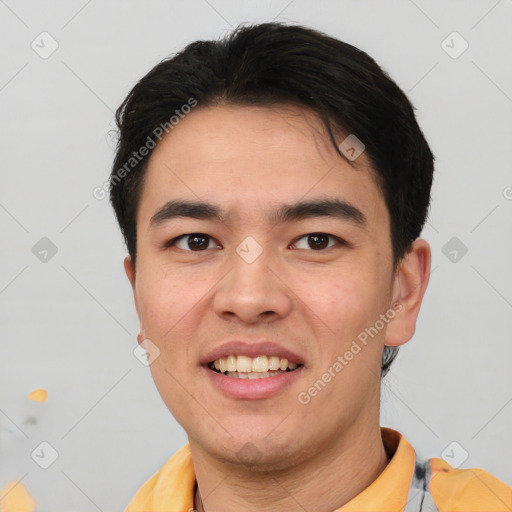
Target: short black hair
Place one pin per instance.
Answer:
(279, 64)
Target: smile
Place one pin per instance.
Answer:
(260, 367)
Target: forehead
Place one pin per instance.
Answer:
(253, 158)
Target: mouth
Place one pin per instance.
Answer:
(245, 367)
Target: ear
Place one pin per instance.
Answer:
(410, 284)
(129, 268)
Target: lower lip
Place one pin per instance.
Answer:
(253, 389)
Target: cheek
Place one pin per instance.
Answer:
(166, 299)
(167, 306)
(343, 299)
(174, 388)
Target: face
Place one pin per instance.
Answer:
(268, 277)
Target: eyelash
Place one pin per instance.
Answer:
(340, 241)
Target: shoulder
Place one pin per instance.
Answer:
(470, 490)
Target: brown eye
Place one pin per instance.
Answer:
(316, 241)
(198, 242)
(193, 242)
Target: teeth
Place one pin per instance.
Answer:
(243, 364)
(231, 364)
(252, 367)
(253, 375)
(260, 364)
(273, 363)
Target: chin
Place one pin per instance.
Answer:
(256, 452)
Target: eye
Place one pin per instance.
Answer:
(193, 242)
(317, 241)
(197, 242)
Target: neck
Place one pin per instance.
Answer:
(333, 477)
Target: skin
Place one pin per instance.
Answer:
(249, 160)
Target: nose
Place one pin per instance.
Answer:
(253, 291)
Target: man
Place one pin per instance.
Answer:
(271, 188)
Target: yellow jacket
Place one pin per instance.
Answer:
(405, 485)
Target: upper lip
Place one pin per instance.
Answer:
(250, 349)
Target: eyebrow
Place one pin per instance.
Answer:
(286, 213)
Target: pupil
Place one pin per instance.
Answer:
(316, 238)
(193, 242)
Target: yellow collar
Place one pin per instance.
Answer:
(172, 487)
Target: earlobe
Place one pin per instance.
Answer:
(410, 284)
(141, 336)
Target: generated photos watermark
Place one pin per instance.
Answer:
(305, 397)
(137, 156)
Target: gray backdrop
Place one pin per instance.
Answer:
(68, 323)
